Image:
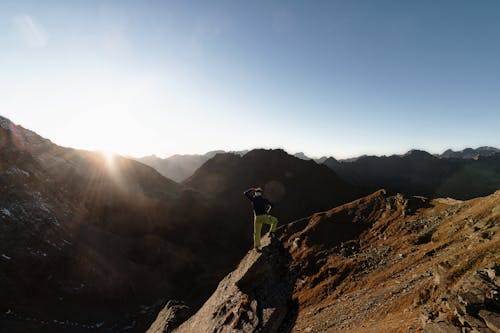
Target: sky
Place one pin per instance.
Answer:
(335, 78)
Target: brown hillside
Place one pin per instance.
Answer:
(378, 264)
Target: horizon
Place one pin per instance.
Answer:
(106, 152)
(330, 79)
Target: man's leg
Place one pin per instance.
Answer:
(274, 223)
(257, 227)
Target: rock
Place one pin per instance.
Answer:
(440, 327)
(255, 297)
(472, 300)
(491, 319)
(467, 320)
(173, 314)
(468, 305)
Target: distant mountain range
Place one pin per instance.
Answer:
(470, 153)
(177, 167)
(180, 167)
(420, 173)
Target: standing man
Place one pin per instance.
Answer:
(261, 209)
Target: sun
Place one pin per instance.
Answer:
(109, 157)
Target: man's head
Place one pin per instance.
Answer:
(257, 192)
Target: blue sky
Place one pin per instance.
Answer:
(339, 78)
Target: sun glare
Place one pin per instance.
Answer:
(109, 157)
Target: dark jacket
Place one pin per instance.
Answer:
(260, 204)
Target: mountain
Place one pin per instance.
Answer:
(180, 167)
(378, 264)
(297, 187)
(321, 159)
(91, 242)
(470, 153)
(420, 173)
(177, 167)
(302, 156)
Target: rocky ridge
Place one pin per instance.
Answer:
(378, 264)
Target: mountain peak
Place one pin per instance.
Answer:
(416, 153)
(302, 156)
(470, 153)
(5, 123)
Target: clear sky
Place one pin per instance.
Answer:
(339, 78)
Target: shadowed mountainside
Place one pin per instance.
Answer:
(297, 187)
(88, 239)
(420, 173)
(378, 264)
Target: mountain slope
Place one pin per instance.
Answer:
(90, 239)
(399, 268)
(378, 264)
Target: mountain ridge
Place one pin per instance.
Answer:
(420, 173)
(398, 264)
(179, 167)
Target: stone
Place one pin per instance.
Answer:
(491, 319)
(173, 314)
(440, 327)
(255, 297)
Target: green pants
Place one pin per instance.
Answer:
(258, 221)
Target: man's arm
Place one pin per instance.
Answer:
(249, 193)
(269, 206)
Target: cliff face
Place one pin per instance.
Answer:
(378, 264)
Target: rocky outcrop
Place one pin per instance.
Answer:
(173, 314)
(471, 305)
(255, 297)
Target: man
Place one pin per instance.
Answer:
(261, 209)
